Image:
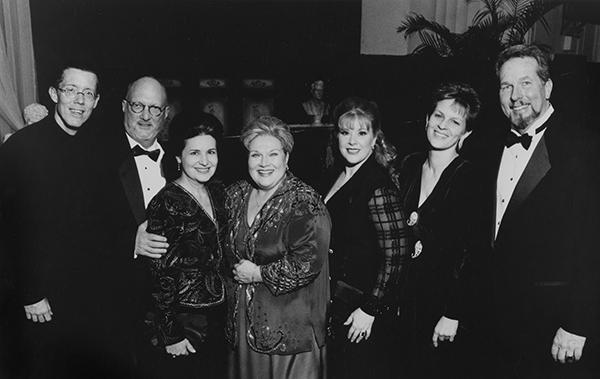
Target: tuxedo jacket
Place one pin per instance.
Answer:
(544, 261)
(106, 206)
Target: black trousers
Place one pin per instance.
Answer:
(534, 361)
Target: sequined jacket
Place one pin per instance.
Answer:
(289, 240)
(188, 275)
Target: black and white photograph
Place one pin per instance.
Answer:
(299, 189)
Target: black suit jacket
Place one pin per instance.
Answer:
(358, 258)
(544, 261)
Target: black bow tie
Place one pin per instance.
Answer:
(137, 150)
(524, 139)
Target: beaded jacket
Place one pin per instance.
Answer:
(289, 240)
(188, 276)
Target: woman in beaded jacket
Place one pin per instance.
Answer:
(186, 314)
(277, 247)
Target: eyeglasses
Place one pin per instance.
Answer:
(154, 110)
(72, 92)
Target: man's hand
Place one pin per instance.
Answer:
(180, 348)
(445, 330)
(567, 347)
(39, 312)
(148, 244)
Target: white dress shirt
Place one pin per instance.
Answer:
(150, 172)
(513, 163)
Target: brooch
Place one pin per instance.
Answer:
(418, 250)
(413, 218)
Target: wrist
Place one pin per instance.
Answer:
(257, 275)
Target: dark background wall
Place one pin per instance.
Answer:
(289, 41)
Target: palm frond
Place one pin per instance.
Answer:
(415, 23)
(527, 15)
(489, 10)
(511, 7)
(433, 35)
(435, 41)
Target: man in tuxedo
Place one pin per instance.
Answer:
(33, 167)
(120, 169)
(544, 219)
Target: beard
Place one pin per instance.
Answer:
(520, 122)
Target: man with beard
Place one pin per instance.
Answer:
(545, 287)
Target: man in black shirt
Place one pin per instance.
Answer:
(32, 169)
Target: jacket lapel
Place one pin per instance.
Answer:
(495, 164)
(536, 169)
(133, 188)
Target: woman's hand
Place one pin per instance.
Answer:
(246, 272)
(180, 348)
(445, 330)
(361, 325)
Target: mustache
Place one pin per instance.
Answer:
(518, 103)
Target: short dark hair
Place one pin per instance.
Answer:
(188, 125)
(79, 64)
(526, 51)
(462, 94)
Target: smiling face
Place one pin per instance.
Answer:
(143, 127)
(199, 158)
(523, 94)
(446, 124)
(267, 162)
(76, 111)
(356, 140)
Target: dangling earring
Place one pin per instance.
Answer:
(179, 166)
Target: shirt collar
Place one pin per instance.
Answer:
(154, 146)
(61, 124)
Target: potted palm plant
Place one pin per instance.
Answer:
(499, 24)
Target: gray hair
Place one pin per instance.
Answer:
(268, 126)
